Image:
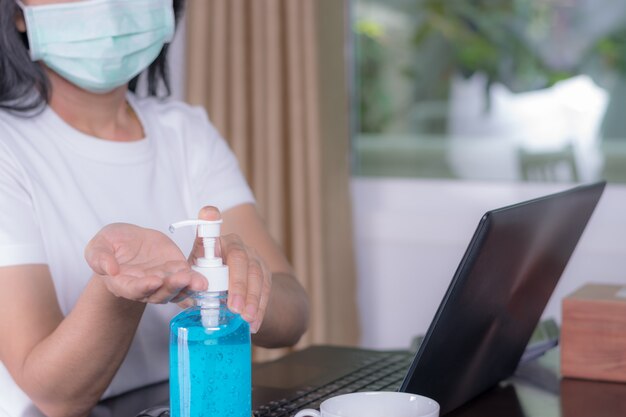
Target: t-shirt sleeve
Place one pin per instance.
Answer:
(20, 237)
(215, 174)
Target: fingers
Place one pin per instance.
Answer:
(128, 285)
(186, 303)
(236, 257)
(174, 276)
(249, 281)
(255, 286)
(178, 281)
(265, 296)
(197, 251)
(172, 281)
(183, 299)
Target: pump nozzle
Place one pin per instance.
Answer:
(209, 265)
(206, 228)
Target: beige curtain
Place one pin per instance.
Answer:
(271, 74)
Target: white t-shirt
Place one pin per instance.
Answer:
(59, 187)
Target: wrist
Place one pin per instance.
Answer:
(114, 302)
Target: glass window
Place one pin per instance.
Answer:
(529, 90)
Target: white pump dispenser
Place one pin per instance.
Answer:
(211, 266)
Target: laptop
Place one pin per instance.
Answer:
(480, 330)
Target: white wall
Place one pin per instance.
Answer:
(410, 235)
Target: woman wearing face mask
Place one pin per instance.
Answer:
(90, 176)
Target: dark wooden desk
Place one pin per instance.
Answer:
(536, 390)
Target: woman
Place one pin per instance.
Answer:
(87, 167)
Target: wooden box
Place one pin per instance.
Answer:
(593, 333)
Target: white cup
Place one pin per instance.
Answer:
(375, 404)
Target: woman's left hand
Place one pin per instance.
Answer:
(141, 264)
(250, 280)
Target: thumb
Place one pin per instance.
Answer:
(108, 265)
(100, 257)
(209, 213)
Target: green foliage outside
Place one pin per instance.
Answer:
(493, 37)
(374, 105)
(502, 39)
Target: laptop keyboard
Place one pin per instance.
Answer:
(380, 374)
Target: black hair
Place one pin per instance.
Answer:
(24, 86)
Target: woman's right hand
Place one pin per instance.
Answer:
(142, 265)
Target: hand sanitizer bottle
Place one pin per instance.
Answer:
(210, 356)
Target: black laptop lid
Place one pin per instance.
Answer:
(498, 294)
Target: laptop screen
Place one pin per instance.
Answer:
(498, 294)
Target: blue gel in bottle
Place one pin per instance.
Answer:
(210, 361)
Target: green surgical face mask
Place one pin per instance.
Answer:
(99, 45)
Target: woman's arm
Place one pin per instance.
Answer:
(64, 364)
(286, 316)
